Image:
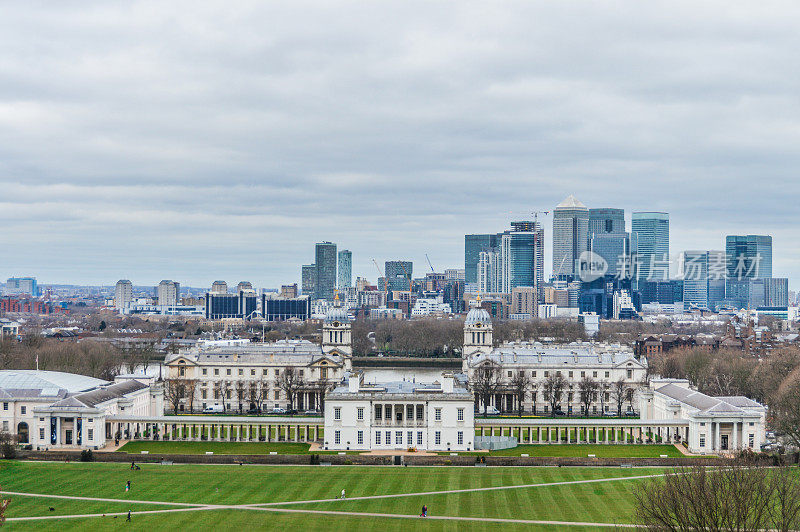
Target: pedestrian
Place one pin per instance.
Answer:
(342, 497)
(128, 486)
(133, 465)
(424, 511)
(129, 516)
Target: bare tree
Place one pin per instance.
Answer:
(486, 381)
(785, 410)
(174, 391)
(741, 496)
(587, 390)
(520, 383)
(222, 390)
(290, 382)
(553, 389)
(619, 394)
(240, 388)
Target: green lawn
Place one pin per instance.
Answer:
(607, 502)
(217, 447)
(599, 450)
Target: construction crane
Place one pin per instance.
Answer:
(385, 280)
(429, 263)
(536, 215)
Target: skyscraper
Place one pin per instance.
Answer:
(168, 293)
(123, 294)
(606, 221)
(522, 256)
(749, 256)
(703, 278)
(345, 276)
(473, 245)
(308, 279)
(398, 275)
(326, 270)
(650, 246)
(570, 235)
(608, 238)
(489, 272)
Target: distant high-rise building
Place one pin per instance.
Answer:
(398, 274)
(570, 236)
(280, 309)
(522, 256)
(703, 278)
(240, 305)
(308, 279)
(473, 245)
(26, 286)
(219, 287)
(345, 276)
(490, 270)
(123, 294)
(650, 246)
(454, 274)
(244, 286)
(606, 221)
(608, 238)
(749, 256)
(326, 270)
(524, 302)
(289, 290)
(168, 293)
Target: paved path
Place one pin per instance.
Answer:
(273, 506)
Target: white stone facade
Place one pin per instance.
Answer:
(716, 424)
(399, 416)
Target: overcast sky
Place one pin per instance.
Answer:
(199, 141)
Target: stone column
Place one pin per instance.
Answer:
(735, 435)
(605, 433)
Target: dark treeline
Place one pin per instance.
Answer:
(88, 357)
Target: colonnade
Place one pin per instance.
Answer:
(531, 432)
(257, 430)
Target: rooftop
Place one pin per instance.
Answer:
(48, 383)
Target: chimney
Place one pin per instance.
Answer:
(354, 382)
(447, 382)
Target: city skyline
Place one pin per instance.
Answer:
(224, 165)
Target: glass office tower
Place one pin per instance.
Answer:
(650, 246)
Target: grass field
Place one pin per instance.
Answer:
(217, 447)
(245, 448)
(390, 491)
(601, 451)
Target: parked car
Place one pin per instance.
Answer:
(559, 413)
(631, 413)
(278, 410)
(312, 412)
(214, 409)
(491, 411)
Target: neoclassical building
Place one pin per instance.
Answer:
(399, 415)
(715, 424)
(604, 363)
(238, 375)
(55, 410)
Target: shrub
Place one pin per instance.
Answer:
(87, 456)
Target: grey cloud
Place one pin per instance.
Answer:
(199, 140)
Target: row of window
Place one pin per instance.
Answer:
(571, 374)
(398, 437)
(22, 409)
(411, 412)
(323, 372)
